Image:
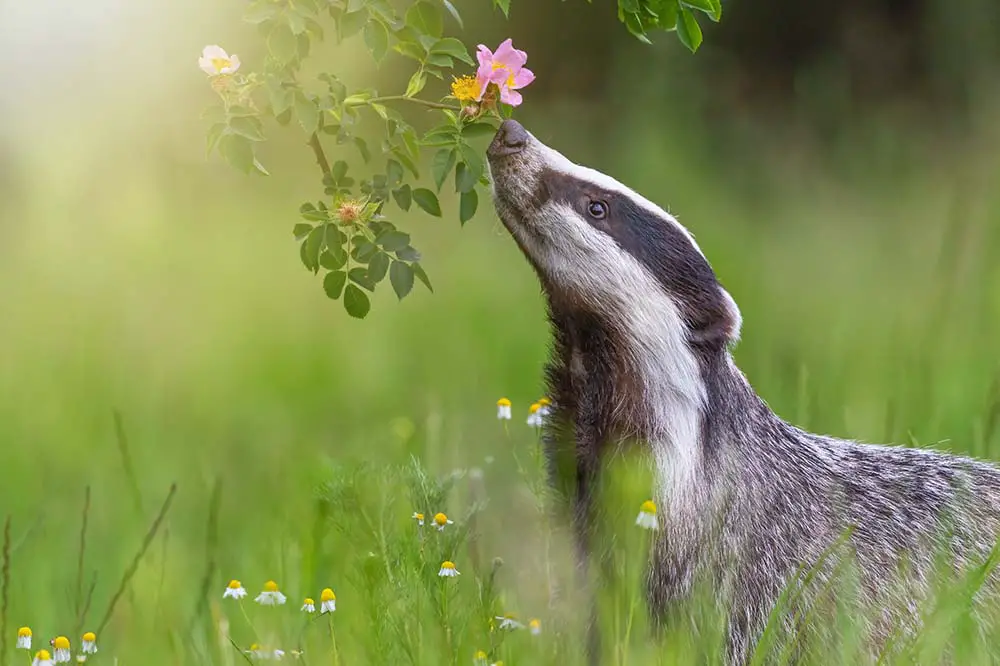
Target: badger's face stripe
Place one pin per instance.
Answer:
(582, 230)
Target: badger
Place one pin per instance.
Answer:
(642, 338)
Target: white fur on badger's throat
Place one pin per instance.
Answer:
(572, 252)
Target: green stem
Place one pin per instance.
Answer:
(333, 642)
(404, 98)
(246, 617)
(317, 148)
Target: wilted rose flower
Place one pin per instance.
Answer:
(505, 69)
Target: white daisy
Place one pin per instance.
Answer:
(24, 638)
(481, 659)
(448, 570)
(535, 416)
(328, 601)
(503, 409)
(89, 643)
(309, 606)
(441, 521)
(234, 590)
(419, 517)
(61, 650)
(271, 596)
(42, 658)
(647, 516)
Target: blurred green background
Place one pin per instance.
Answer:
(838, 165)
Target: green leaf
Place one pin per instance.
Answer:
(301, 230)
(403, 196)
(394, 240)
(472, 160)
(362, 145)
(393, 173)
(465, 179)
(408, 254)
(215, 132)
(238, 151)
(260, 11)
(503, 5)
(360, 276)
(454, 13)
(310, 212)
(425, 18)
(468, 205)
(296, 22)
(351, 23)
(444, 162)
(364, 251)
(333, 258)
(311, 248)
(450, 46)
(307, 112)
(378, 266)
(356, 302)
(478, 129)
(706, 6)
(401, 278)
(282, 44)
(248, 127)
(416, 83)
(333, 284)
(427, 200)
(377, 39)
(418, 270)
(688, 30)
(410, 50)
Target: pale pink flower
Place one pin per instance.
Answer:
(214, 61)
(506, 69)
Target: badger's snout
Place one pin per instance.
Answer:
(510, 138)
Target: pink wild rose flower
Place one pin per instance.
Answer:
(506, 69)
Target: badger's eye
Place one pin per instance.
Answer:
(597, 210)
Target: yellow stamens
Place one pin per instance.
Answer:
(24, 632)
(465, 89)
(221, 63)
(441, 519)
(235, 585)
(534, 408)
(43, 655)
(61, 643)
(327, 595)
(447, 564)
(544, 402)
(503, 402)
(648, 507)
(90, 637)
(270, 586)
(309, 602)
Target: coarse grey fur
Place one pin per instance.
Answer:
(642, 338)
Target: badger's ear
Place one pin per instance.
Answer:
(723, 327)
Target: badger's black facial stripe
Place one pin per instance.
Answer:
(656, 242)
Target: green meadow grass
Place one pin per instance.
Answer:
(168, 291)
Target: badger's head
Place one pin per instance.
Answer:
(600, 247)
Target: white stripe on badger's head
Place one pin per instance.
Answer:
(592, 238)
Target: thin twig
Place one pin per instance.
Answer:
(134, 566)
(6, 586)
(317, 147)
(123, 449)
(78, 600)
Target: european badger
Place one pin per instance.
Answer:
(642, 334)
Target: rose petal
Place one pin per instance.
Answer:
(206, 65)
(484, 55)
(234, 61)
(508, 96)
(507, 55)
(213, 51)
(522, 78)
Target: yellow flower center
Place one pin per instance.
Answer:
(503, 402)
(480, 655)
(254, 647)
(90, 637)
(234, 585)
(544, 402)
(43, 655)
(61, 643)
(535, 624)
(270, 586)
(648, 507)
(418, 516)
(441, 519)
(24, 632)
(465, 88)
(534, 408)
(221, 63)
(447, 565)
(327, 595)
(309, 602)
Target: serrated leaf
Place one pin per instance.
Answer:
(401, 278)
(282, 44)
(472, 160)
(408, 254)
(311, 248)
(425, 18)
(247, 127)
(416, 83)
(307, 112)
(260, 11)
(468, 205)
(360, 276)
(393, 173)
(333, 257)
(444, 162)
(473, 130)
(356, 302)
(351, 23)
(377, 39)
(378, 266)
(427, 200)
(450, 46)
(465, 179)
(215, 133)
(418, 270)
(504, 6)
(238, 151)
(454, 13)
(410, 50)
(688, 30)
(301, 230)
(333, 284)
(296, 22)
(364, 251)
(403, 196)
(393, 241)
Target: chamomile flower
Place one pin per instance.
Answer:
(481, 659)
(647, 516)
(42, 658)
(81, 658)
(503, 409)
(264, 653)
(61, 650)
(89, 643)
(509, 621)
(448, 570)
(328, 601)
(271, 596)
(544, 407)
(419, 517)
(234, 590)
(441, 521)
(24, 638)
(535, 626)
(309, 606)
(535, 416)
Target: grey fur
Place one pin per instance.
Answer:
(750, 499)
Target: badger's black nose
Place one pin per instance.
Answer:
(511, 138)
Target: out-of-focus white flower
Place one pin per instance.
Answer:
(544, 407)
(448, 569)
(24, 638)
(328, 601)
(535, 627)
(42, 658)
(271, 596)
(419, 517)
(214, 61)
(89, 643)
(535, 416)
(234, 590)
(647, 516)
(309, 606)
(481, 659)
(503, 409)
(509, 621)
